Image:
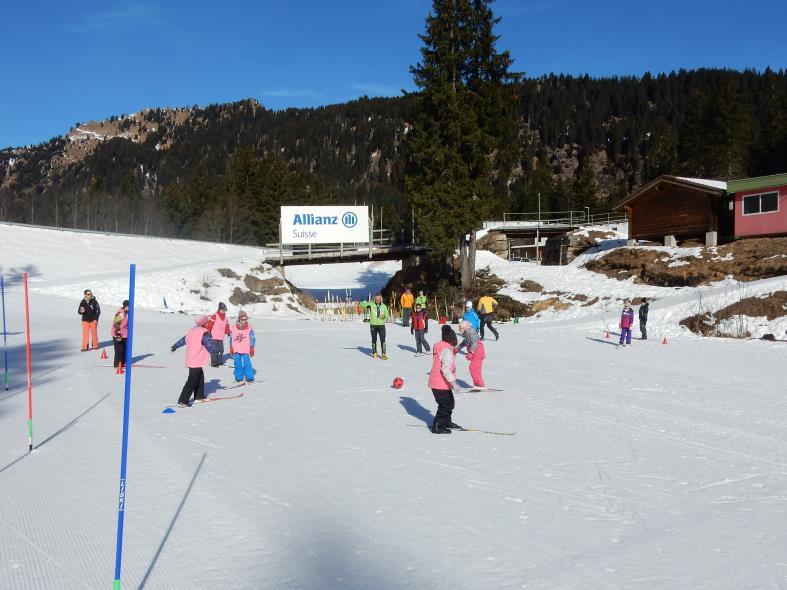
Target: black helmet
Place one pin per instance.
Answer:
(222, 306)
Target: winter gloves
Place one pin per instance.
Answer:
(251, 351)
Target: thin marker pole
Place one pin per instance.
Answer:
(29, 370)
(126, 410)
(5, 332)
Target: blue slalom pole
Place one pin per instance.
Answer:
(5, 332)
(126, 404)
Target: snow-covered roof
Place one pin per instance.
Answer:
(721, 184)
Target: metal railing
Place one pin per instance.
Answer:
(553, 218)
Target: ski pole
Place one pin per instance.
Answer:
(29, 370)
(5, 332)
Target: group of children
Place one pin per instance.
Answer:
(205, 344)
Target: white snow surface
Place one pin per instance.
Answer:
(657, 466)
(706, 182)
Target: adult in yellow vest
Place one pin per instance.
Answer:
(486, 312)
(406, 301)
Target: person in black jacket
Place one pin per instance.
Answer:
(643, 318)
(89, 309)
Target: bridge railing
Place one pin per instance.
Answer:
(552, 218)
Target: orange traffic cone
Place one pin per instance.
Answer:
(607, 336)
(120, 369)
(104, 354)
(664, 341)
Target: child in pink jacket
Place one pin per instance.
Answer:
(199, 346)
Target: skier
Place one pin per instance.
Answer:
(378, 313)
(406, 301)
(199, 347)
(643, 318)
(242, 341)
(421, 299)
(476, 353)
(120, 334)
(219, 327)
(90, 310)
(420, 326)
(471, 316)
(625, 324)
(486, 310)
(442, 381)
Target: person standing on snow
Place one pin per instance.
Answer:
(199, 346)
(120, 334)
(90, 310)
(219, 326)
(378, 313)
(486, 310)
(442, 381)
(242, 341)
(625, 324)
(643, 318)
(406, 301)
(420, 326)
(476, 353)
(471, 316)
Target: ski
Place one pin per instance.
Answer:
(480, 389)
(470, 430)
(135, 365)
(222, 397)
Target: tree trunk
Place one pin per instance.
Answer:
(467, 252)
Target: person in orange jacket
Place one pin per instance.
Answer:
(406, 301)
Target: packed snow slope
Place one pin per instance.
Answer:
(655, 466)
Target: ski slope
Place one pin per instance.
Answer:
(655, 466)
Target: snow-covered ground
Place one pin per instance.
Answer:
(655, 466)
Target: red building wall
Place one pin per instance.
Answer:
(760, 224)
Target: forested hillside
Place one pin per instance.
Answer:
(221, 172)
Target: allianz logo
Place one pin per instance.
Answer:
(349, 219)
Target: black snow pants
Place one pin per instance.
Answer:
(378, 330)
(445, 405)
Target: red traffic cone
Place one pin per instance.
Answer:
(104, 354)
(120, 369)
(664, 341)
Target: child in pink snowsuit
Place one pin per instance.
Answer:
(475, 351)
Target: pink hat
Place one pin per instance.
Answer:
(201, 320)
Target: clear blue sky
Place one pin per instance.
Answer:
(80, 60)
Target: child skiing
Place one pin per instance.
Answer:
(475, 351)
(442, 381)
(199, 347)
(219, 326)
(242, 343)
(625, 325)
(419, 327)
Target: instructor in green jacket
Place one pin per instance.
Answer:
(378, 313)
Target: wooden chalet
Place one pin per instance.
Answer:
(672, 208)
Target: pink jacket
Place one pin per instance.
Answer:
(196, 355)
(437, 379)
(241, 339)
(123, 324)
(219, 326)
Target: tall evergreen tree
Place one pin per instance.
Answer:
(462, 142)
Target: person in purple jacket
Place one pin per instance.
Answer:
(625, 325)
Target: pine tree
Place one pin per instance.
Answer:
(462, 142)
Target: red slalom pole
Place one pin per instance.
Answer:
(29, 370)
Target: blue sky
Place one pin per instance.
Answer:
(83, 60)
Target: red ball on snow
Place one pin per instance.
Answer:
(398, 382)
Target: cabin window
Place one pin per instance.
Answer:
(764, 203)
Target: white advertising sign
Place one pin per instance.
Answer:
(325, 225)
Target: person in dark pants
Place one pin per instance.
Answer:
(120, 334)
(643, 318)
(419, 327)
(486, 311)
(219, 326)
(442, 380)
(199, 347)
(378, 314)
